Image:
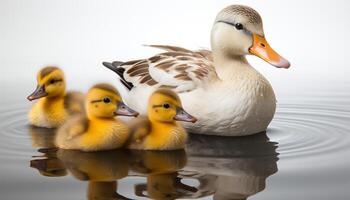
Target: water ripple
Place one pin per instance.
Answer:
(15, 142)
(310, 130)
(301, 131)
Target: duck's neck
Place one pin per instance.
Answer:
(230, 67)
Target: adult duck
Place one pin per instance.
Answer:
(227, 94)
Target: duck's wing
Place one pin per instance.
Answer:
(74, 102)
(178, 68)
(139, 130)
(74, 126)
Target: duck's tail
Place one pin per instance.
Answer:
(114, 66)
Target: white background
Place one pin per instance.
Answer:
(77, 35)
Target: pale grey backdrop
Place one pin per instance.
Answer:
(78, 35)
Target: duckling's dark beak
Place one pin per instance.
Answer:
(38, 93)
(263, 50)
(124, 110)
(182, 115)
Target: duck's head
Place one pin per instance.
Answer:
(165, 106)
(104, 101)
(51, 83)
(238, 31)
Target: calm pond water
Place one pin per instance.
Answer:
(303, 155)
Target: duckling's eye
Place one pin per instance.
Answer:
(239, 26)
(166, 105)
(106, 100)
(53, 81)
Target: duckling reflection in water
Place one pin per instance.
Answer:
(55, 105)
(160, 131)
(101, 169)
(48, 164)
(161, 169)
(99, 130)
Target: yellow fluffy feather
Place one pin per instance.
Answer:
(54, 105)
(99, 129)
(160, 131)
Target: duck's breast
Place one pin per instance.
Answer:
(243, 107)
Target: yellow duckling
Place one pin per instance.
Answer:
(160, 131)
(99, 130)
(54, 105)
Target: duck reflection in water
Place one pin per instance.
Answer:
(47, 164)
(228, 167)
(101, 169)
(161, 169)
(221, 167)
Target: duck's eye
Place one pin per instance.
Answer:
(106, 100)
(239, 26)
(166, 105)
(52, 81)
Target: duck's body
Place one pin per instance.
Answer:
(52, 112)
(54, 105)
(99, 130)
(160, 131)
(227, 94)
(242, 103)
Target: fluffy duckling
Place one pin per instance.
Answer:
(98, 130)
(160, 131)
(54, 105)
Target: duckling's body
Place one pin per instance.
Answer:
(92, 135)
(160, 131)
(52, 112)
(160, 136)
(54, 105)
(99, 130)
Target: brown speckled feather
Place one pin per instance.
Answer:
(178, 68)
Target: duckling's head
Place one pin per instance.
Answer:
(238, 31)
(165, 106)
(51, 83)
(104, 101)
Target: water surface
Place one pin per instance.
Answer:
(303, 155)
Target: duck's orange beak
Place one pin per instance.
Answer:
(263, 50)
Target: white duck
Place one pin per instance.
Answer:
(219, 87)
